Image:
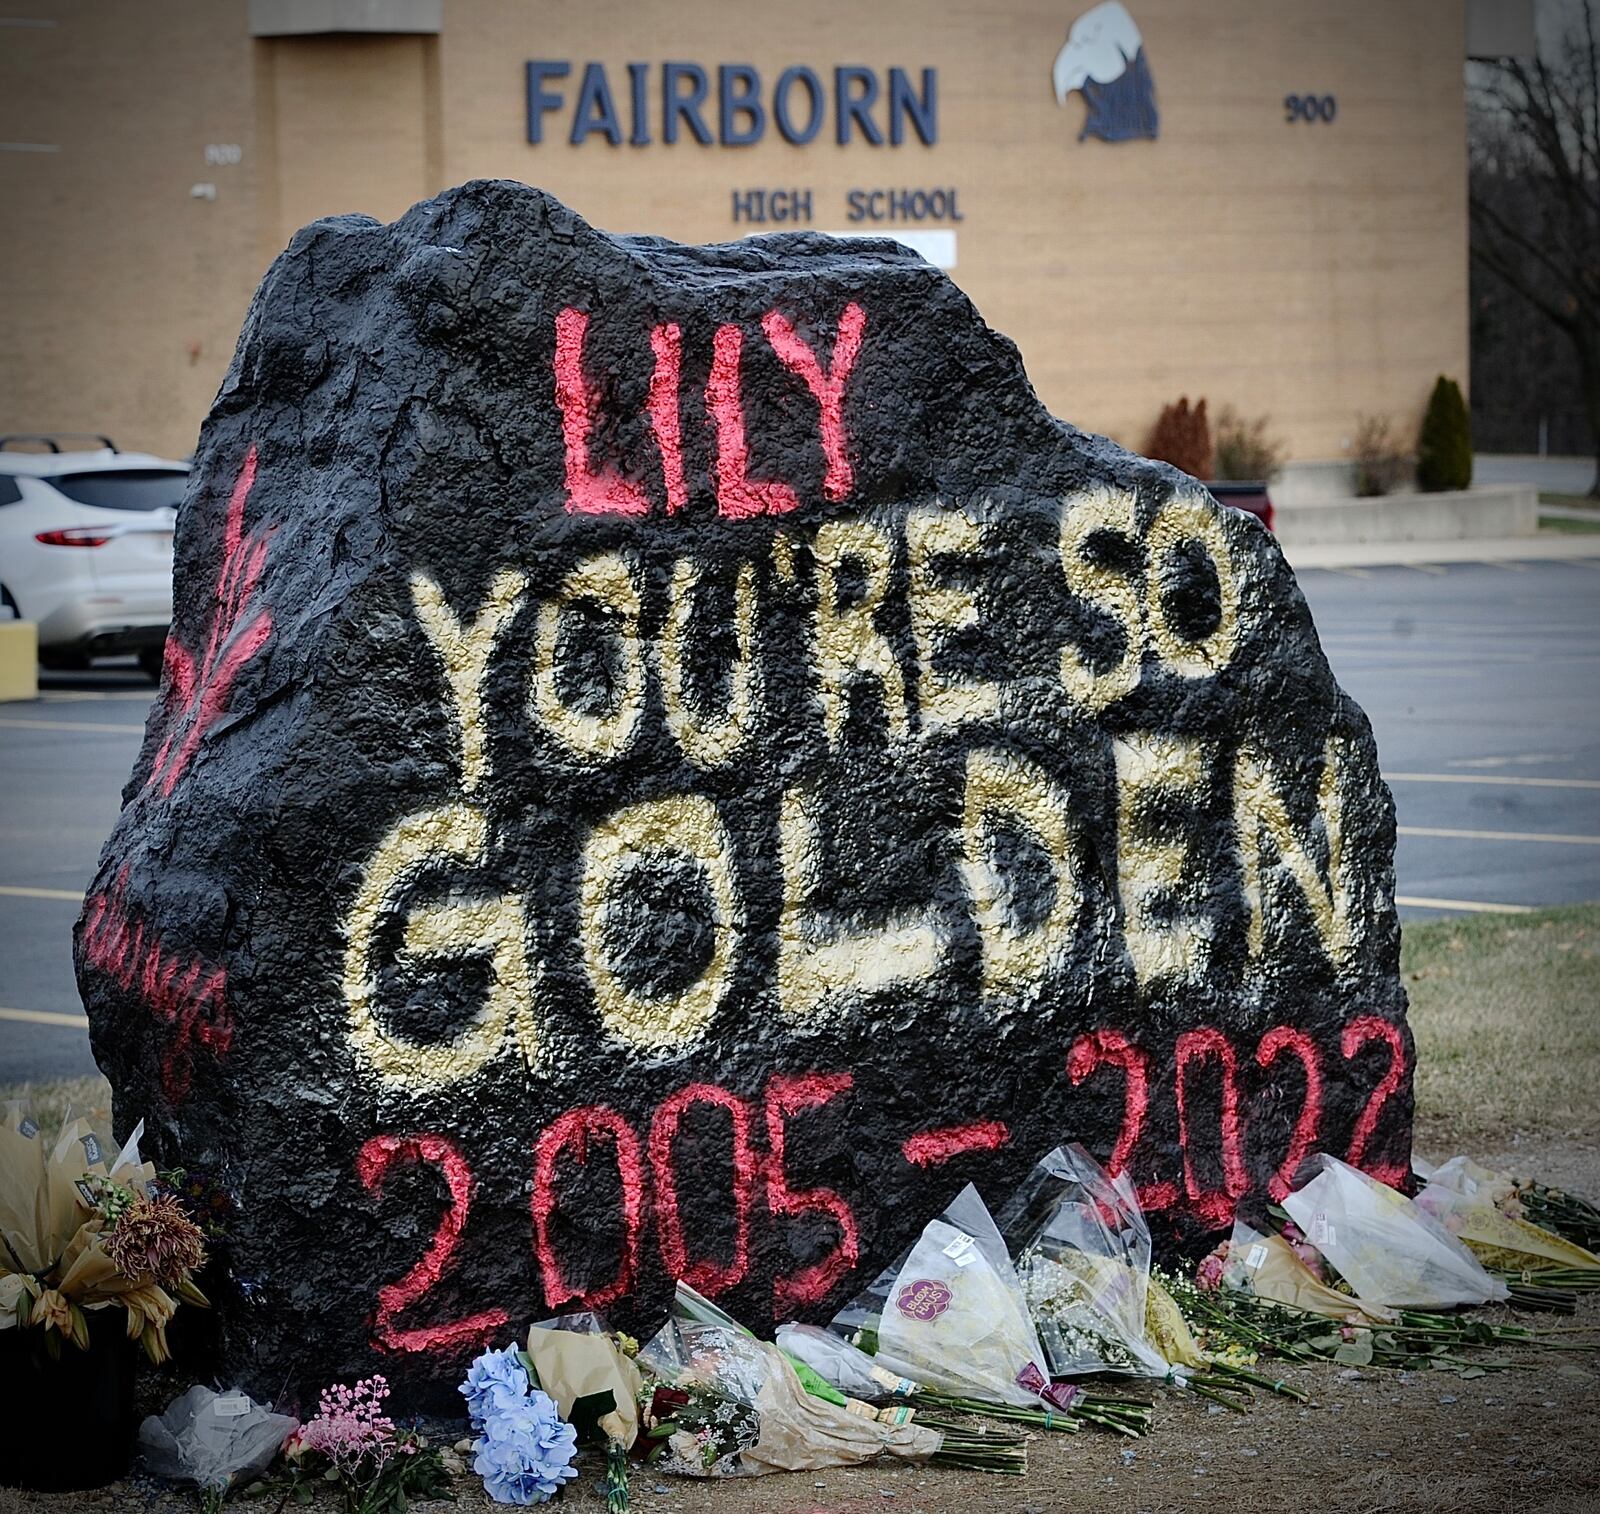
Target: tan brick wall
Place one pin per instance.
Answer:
(1304, 271)
(121, 294)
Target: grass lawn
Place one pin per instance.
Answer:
(1506, 1012)
(1567, 524)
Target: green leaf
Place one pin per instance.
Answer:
(1473, 1372)
(1356, 1353)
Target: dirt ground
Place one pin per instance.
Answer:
(1508, 1036)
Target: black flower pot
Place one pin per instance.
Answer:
(68, 1421)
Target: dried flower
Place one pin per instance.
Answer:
(154, 1238)
(53, 1311)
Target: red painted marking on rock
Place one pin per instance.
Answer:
(1215, 1206)
(573, 1130)
(1275, 1043)
(197, 691)
(590, 490)
(785, 1097)
(667, 344)
(738, 495)
(827, 388)
(932, 1148)
(184, 992)
(1357, 1034)
(1099, 1048)
(708, 1277)
(373, 1162)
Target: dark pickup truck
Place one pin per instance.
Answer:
(1253, 499)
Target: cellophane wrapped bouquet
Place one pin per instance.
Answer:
(951, 1314)
(1391, 1253)
(1083, 1261)
(724, 1404)
(1475, 1205)
(1272, 1268)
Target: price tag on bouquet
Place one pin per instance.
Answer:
(960, 1250)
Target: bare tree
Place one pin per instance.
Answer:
(1535, 187)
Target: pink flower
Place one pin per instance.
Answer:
(1208, 1275)
(1310, 1257)
(351, 1430)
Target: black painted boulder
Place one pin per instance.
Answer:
(671, 761)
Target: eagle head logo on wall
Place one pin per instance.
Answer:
(1104, 57)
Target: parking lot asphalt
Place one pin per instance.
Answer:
(1482, 681)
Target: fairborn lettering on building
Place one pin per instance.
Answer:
(730, 105)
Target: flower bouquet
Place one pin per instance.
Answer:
(724, 1404)
(214, 1442)
(1481, 1209)
(1392, 1253)
(81, 1232)
(1256, 1295)
(83, 1227)
(951, 1314)
(596, 1385)
(1282, 1270)
(524, 1449)
(1083, 1261)
(1572, 1218)
(350, 1442)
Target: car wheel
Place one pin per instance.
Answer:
(9, 609)
(150, 660)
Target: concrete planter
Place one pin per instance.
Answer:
(1454, 515)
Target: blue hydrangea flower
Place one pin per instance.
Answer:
(497, 1380)
(526, 1451)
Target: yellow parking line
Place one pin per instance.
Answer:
(1474, 906)
(15, 891)
(1508, 779)
(44, 1017)
(1448, 832)
(66, 725)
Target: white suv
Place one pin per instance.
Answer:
(86, 548)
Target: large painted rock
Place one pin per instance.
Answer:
(671, 762)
